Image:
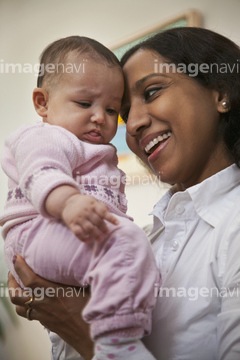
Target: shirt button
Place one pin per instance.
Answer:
(179, 209)
(174, 245)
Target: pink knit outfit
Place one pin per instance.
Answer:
(121, 269)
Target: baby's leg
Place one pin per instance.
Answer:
(122, 276)
(122, 346)
(50, 249)
(55, 253)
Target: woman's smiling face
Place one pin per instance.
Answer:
(172, 122)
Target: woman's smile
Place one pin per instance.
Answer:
(157, 145)
(151, 142)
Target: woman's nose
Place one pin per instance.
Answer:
(138, 119)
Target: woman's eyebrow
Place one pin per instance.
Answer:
(145, 78)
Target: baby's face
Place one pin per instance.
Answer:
(87, 101)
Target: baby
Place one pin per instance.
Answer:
(66, 208)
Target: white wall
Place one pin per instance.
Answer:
(26, 27)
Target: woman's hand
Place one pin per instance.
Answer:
(57, 307)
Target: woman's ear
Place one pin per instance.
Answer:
(40, 101)
(223, 105)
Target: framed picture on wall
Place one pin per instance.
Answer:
(188, 18)
(128, 161)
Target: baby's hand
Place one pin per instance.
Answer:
(84, 216)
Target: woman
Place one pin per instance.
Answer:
(182, 109)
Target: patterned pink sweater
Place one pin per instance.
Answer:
(37, 158)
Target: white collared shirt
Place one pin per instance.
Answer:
(196, 241)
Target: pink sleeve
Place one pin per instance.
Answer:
(45, 157)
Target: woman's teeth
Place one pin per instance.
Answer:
(157, 140)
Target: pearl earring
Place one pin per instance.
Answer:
(225, 104)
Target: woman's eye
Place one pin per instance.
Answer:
(150, 92)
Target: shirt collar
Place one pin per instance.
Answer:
(215, 196)
(212, 198)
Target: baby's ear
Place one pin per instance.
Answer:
(40, 101)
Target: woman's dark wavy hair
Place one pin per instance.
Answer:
(191, 45)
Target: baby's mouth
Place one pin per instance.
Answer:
(153, 144)
(94, 136)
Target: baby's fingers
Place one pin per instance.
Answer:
(102, 211)
(109, 217)
(80, 232)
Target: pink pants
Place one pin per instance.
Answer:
(121, 269)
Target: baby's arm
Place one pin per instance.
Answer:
(82, 214)
(45, 157)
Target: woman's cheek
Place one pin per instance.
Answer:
(133, 144)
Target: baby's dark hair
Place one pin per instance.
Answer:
(57, 52)
(190, 45)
